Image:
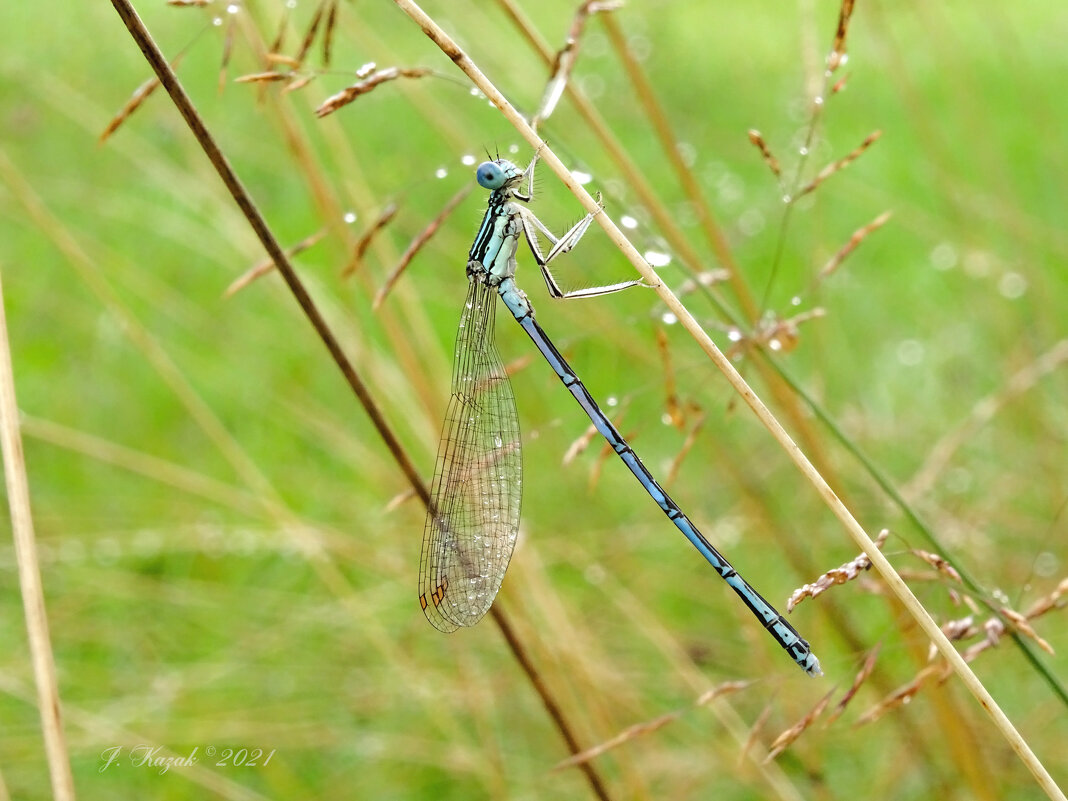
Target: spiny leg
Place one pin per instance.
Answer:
(532, 226)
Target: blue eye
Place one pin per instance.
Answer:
(490, 175)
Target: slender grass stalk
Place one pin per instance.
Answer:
(248, 208)
(18, 495)
(900, 590)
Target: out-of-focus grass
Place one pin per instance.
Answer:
(185, 609)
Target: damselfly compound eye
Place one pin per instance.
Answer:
(490, 175)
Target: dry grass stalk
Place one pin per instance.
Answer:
(838, 50)
(42, 658)
(564, 61)
(417, 244)
(347, 95)
(267, 265)
(190, 3)
(859, 679)
(840, 84)
(837, 575)
(388, 213)
(227, 51)
(854, 242)
(687, 446)
(649, 726)
(765, 151)
(839, 165)
(784, 740)
(139, 96)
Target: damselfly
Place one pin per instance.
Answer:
(473, 518)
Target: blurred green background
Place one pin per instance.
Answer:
(229, 556)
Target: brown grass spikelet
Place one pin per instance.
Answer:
(687, 446)
(417, 244)
(775, 333)
(905, 693)
(313, 29)
(650, 726)
(786, 738)
(265, 266)
(328, 34)
(857, 237)
(939, 563)
(281, 59)
(579, 445)
(671, 393)
(1048, 602)
(139, 96)
(769, 158)
(364, 242)
(299, 82)
(350, 93)
(838, 49)
(858, 680)
(1020, 623)
(263, 77)
(564, 60)
(838, 575)
(841, 164)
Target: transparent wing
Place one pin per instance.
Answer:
(473, 520)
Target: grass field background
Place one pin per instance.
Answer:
(228, 550)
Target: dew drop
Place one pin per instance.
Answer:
(1012, 285)
(943, 256)
(441, 172)
(349, 217)
(910, 352)
(657, 259)
(611, 400)
(582, 177)
(668, 318)
(467, 159)
(628, 222)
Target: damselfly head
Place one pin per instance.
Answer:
(495, 174)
